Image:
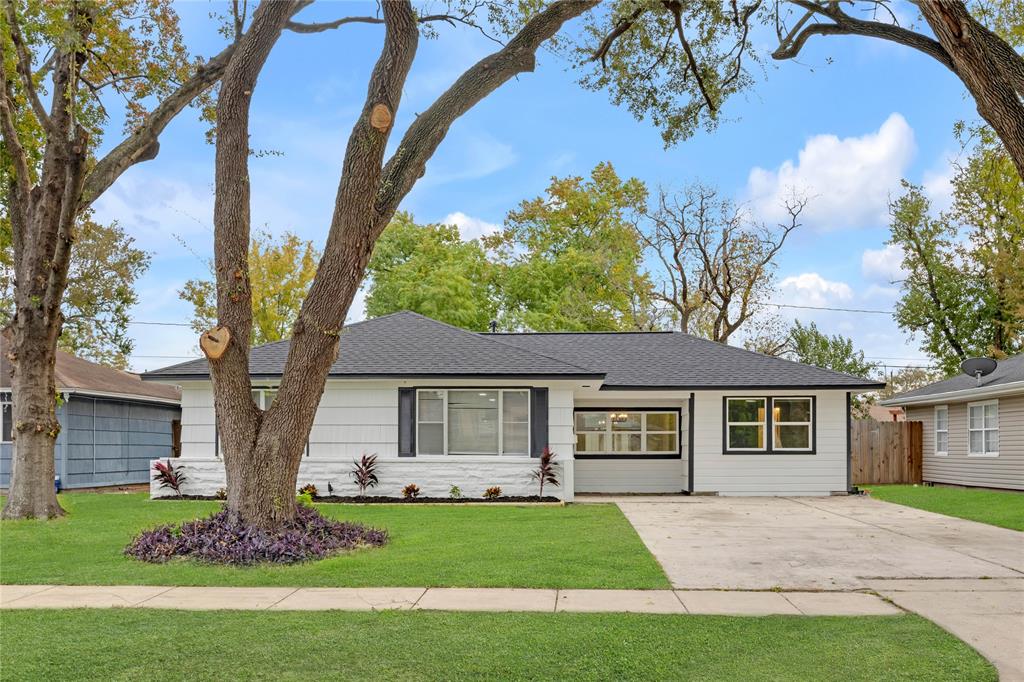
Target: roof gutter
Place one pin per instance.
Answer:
(119, 396)
(957, 396)
(869, 386)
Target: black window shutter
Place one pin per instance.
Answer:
(407, 422)
(538, 421)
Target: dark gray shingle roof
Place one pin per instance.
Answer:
(676, 360)
(404, 344)
(409, 345)
(1007, 371)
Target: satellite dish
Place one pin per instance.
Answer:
(978, 367)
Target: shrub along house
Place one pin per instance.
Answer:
(973, 427)
(112, 423)
(643, 412)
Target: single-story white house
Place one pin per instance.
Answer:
(973, 427)
(631, 412)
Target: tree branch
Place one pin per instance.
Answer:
(844, 24)
(23, 64)
(430, 128)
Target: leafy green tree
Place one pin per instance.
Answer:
(571, 259)
(678, 61)
(908, 379)
(965, 267)
(280, 274)
(811, 346)
(63, 64)
(101, 292)
(430, 270)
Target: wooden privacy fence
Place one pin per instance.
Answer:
(886, 452)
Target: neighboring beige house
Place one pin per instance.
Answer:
(973, 428)
(882, 413)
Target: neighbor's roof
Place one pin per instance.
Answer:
(81, 376)
(1008, 377)
(406, 344)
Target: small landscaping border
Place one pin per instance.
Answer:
(382, 499)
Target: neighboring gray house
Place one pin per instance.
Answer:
(643, 412)
(973, 429)
(112, 423)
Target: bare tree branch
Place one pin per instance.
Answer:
(23, 64)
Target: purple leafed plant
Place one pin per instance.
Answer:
(546, 471)
(219, 539)
(169, 477)
(364, 473)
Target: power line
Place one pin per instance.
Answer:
(841, 310)
(161, 324)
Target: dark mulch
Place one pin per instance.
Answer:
(219, 539)
(381, 499)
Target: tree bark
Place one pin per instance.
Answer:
(43, 217)
(263, 450)
(992, 71)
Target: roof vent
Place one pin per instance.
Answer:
(493, 326)
(978, 367)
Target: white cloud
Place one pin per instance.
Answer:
(468, 157)
(883, 265)
(470, 227)
(812, 289)
(847, 180)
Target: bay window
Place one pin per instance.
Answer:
(473, 421)
(627, 433)
(768, 425)
(983, 429)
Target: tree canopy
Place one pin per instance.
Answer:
(962, 292)
(280, 272)
(430, 270)
(571, 259)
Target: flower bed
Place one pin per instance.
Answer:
(383, 499)
(220, 540)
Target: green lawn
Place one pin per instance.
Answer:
(585, 546)
(1005, 509)
(128, 644)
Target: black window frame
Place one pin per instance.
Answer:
(769, 436)
(678, 454)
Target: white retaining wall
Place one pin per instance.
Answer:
(435, 476)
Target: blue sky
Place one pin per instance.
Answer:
(842, 126)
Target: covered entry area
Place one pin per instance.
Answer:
(631, 444)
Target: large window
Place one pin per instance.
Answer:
(473, 422)
(766, 425)
(983, 429)
(627, 433)
(6, 418)
(941, 430)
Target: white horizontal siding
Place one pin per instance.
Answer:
(957, 468)
(809, 474)
(356, 418)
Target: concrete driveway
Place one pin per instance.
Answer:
(968, 577)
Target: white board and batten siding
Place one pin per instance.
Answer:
(356, 418)
(957, 467)
(635, 474)
(821, 473)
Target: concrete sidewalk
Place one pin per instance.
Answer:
(445, 599)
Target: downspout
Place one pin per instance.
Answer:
(849, 443)
(689, 445)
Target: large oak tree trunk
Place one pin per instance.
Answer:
(35, 422)
(263, 450)
(990, 68)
